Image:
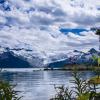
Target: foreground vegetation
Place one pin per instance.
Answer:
(82, 90)
(95, 80)
(7, 91)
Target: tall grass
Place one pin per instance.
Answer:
(7, 91)
(81, 90)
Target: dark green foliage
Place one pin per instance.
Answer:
(97, 32)
(81, 90)
(81, 85)
(7, 92)
(62, 93)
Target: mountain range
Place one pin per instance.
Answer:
(77, 57)
(9, 59)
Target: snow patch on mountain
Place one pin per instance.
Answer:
(35, 60)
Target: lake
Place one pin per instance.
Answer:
(39, 84)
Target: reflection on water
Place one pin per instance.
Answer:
(39, 85)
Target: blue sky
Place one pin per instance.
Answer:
(75, 31)
(49, 27)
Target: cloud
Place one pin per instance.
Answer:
(53, 12)
(43, 41)
(35, 24)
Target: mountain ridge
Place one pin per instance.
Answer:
(8, 58)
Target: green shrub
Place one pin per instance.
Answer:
(7, 92)
(81, 90)
(62, 93)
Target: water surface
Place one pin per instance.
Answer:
(39, 85)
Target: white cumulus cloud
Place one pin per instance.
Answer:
(35, 25)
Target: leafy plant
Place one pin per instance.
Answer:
(7, 92)
(81, 86)
(96, 70)
(81, 90)
(96, 59)
(62, 93)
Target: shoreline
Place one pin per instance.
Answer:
(50, 69)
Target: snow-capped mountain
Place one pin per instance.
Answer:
(44, 32)
(28, 58)
(77, 57)
(19, 58)
(9, 60)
